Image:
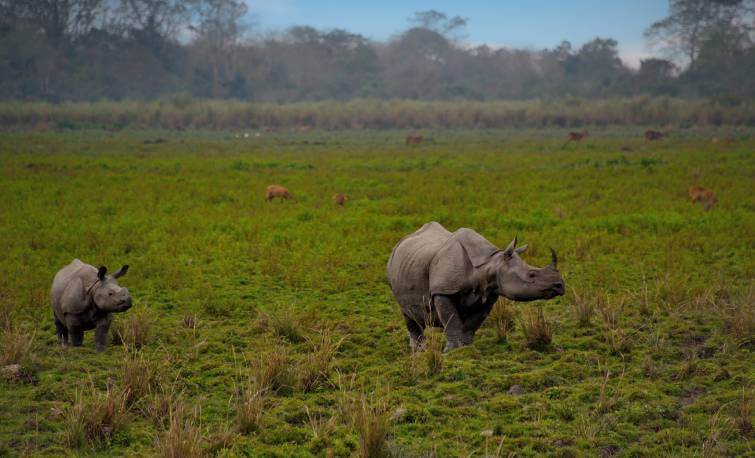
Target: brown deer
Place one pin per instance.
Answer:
(340, 199)
(576, 137)
(651, 135)
(414, 139)
(703, 195)
(274, 191)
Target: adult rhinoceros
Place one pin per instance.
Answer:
(452, 280)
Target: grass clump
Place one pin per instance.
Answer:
(95, 417)
(503, 319)
(284, 323)
(583, 310)
(537, 331)
(139, 376)
(316, 365)
(370, 418)
(740, 322)
(272, 371)
(17, 345)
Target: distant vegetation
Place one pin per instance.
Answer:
(87, 50)
(183, 112)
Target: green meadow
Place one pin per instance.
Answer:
(268, 328)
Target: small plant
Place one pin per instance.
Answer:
(189, 321)
(743, 414)
(16, 345)
(161, 403)
(322, 429)
(184, 437)
(132, 330)
(607, 402)
(251, 402)
(610, 313)
(688, 367)
(618, 341)
(719, 427)
(316, 365)
(5, 318)
(583, 310)
(503, 318)
(95, 417)
(538, 332)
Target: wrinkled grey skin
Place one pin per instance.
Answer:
(85, 298)
(452, 280)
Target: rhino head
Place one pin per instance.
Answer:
(519, 281)
(107, 294)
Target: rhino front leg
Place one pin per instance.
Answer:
(77, 336)
(474, 320)
(101, 332)
(449, 317)
(62, 332)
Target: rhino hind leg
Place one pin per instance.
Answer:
(62, 332)
(416, 334)
(452, 324)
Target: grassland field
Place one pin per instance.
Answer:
(268, 329)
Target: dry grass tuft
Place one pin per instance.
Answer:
(503, 319)
(184, 437)
(740, 323)
(743, 414)
(610, 311)
(251, 402)
(189, 321)
(17, 345)
(272, 370)
(140, 376)
(370, 418)
(583, 310)
(95, 417)
(433, 354)
(133, 330)
(538, 332)
(315, 368)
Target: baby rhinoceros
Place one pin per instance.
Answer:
(84, 298)
(451, 280)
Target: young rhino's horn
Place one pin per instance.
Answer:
(554, 258)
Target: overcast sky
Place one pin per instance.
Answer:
(530, 24)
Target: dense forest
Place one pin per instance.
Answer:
(88, 50)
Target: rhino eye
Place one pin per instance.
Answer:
(532, 274)
(110, 293)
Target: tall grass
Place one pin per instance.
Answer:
(376, 114)
(95, 417)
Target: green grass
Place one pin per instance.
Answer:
(227, 281)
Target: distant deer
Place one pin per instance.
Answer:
(704, 195)
(651, 135)
(414, 139)
(274, 191)
(575, 137)
(340, 199)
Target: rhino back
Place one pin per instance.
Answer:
(76, 269)
(408, 266)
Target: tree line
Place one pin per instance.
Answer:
(85, 50)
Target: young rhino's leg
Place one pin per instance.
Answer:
(474, 320)
(449, 316)
(62, 333)
(101, 331)
(416, 337)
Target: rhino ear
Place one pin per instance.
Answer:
(521, 249)
(509, 251)
(101, 272)
(121, 272)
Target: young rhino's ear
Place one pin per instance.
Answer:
(521, 249)
(121, 272)
(101, 272)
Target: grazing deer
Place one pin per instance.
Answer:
(651, 135)
(704, 195)
(340, 199)
(414, 139)
(575, 137)
(274, 191)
